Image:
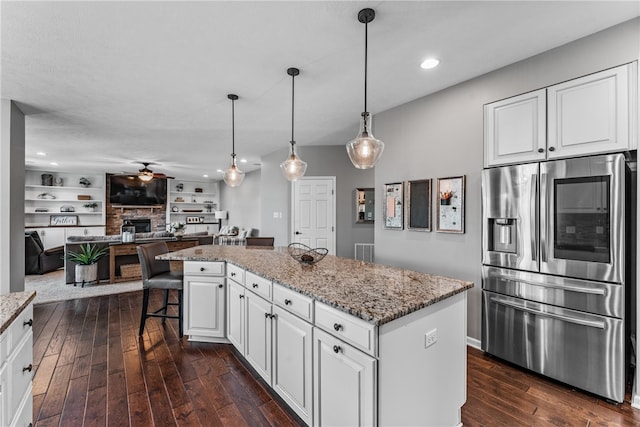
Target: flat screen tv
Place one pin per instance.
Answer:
(129, 190)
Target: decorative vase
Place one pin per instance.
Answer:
(86, 273)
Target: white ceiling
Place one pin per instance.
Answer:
(106, 84)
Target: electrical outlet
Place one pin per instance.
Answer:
(430, 338)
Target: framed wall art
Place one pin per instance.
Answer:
(419, 205)
(393, 208)
(450, 204)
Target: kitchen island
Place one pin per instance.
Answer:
(343, 342)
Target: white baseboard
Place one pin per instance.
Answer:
(635, 396)
(472, 342)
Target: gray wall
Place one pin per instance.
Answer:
(12, 200)
(321, 161)
(441, 135)
(242, 202)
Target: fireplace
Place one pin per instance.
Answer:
(142, 225)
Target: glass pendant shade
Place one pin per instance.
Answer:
(365, 150)
(233, 176)
(294, 167)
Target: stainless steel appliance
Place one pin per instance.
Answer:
(554, 273)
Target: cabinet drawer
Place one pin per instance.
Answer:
(235, 273)
(293, 302)
(259, 285)
(19, 328)
(204, 267)
(349, 328)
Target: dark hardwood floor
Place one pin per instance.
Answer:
(93, 369)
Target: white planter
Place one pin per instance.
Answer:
(86, 273)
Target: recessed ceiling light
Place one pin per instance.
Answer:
(243, 160)
(220, 170)
(429, 63)
(54, 163)
(205, 176)
(41, 153)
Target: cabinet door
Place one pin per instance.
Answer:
(235, 315)
(258, 327)
(204, 312)
(591, 114)
(292, 370)
(344, 383)
(515, 129)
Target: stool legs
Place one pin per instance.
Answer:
(145, 304)
(165, 305)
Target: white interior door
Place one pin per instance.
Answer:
(314, 212)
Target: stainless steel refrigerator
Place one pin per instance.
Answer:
(555, 273)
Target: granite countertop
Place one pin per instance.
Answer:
(373, 292)
(11, 305)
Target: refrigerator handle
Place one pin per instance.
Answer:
(545, 214)
(557, 316)
(533, 209)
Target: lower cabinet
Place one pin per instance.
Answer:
(258, 333)
(235, 314)
(344, 383)
(292, 362)
(16, 371)
(204, 301)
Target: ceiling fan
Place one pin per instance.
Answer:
(145, 174)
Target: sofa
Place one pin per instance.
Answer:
(38, 260)
(74, 242)
(232, 235)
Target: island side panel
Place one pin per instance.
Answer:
(418, 385)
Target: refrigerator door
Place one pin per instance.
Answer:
(510, 217)
(577, 348)
(582, 207)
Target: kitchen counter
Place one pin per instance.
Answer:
(375, 293)
(11, 305)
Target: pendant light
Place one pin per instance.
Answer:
(365, 150)
(294, 167)
(233, 176)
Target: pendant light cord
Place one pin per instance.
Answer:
(233, 128)
(366, 37)
(293, 88)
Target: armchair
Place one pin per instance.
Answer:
(37, 260)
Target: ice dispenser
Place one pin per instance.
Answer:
(502, 235)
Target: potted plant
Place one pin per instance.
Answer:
(90, 206)
(177, 228)
(86, 260)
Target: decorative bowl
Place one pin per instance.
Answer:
(305, 255)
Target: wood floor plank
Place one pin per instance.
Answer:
(94, 370)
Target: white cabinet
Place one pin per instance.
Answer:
(292, 362)
(592, 114)
(204, 301)
(236, 315)
(84, 231)
(198, 199)
(588, 115)
(16, 370)
(344, 383)
(515, 129)
(61, 195)
(258, 318)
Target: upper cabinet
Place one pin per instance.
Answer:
(592, 114)
(515, 129)
(589, 115)
(51, 196)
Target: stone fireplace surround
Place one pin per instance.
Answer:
(116, 215)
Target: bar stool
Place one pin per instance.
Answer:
(157, 274)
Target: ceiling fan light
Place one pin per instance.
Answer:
(145, 176)
(233, 176)
(365, 149)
